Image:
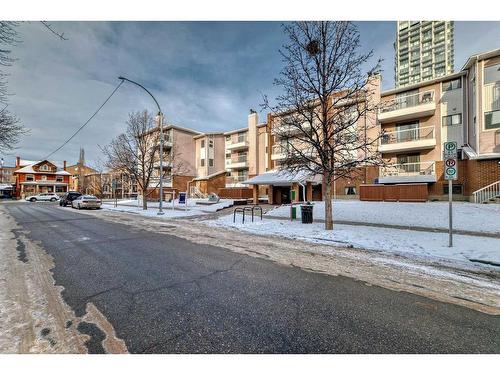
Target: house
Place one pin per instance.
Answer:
(34, 177)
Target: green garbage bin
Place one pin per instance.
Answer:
(306, 213)
(294, 213)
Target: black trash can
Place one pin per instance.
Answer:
(306, 211)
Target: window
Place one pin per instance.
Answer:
(210, 162)
(455, 189)
(228, 138)
(452, 120)
(211, 143)
(44, 178)
(202, 162)
(30, 177)
(452, 85)
(202, 143)
(59, 178)
(492, 74)
(44, 167)
(492, 120)
(350, 190)
(60, 189)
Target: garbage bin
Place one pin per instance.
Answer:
(294, 213)
(306, 213)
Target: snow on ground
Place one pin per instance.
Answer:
(404, 242)
(466, 216)
(171, 210)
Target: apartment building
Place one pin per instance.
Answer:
(463, 107)
(179, 160)
(246, 151)
(424, 50)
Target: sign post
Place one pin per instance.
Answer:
(113, 183)
(450, 174)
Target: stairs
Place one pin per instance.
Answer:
(194, 192)
(487, 194)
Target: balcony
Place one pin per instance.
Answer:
(408, 107)
(408, 172)
(237, 162)
(236, 181)
(239, 143)
(408, 140)
(288, 130)
(166, 164)
(168, 142)
(154, 182)
(278, 152)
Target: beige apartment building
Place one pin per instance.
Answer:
(413, 123)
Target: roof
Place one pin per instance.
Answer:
(280, 177)
(207, 177)
(29, 169)
(422, 84)
(207, 134)
(481, 56)
(236, 131)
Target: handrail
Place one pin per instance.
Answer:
(487, 192)
(426, 167)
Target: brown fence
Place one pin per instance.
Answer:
(394, 193)
(235, 193)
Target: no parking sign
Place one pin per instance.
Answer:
(450, 161)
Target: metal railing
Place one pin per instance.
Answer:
(241, 158)
(407, 101)
(487, 193)
(236, 179)
(407, 135)
(425, 168)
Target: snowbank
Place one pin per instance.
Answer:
(405, 242)
(466, 216)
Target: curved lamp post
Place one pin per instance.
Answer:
(160, 115)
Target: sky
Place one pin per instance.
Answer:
(205, 75)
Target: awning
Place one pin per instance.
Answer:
(281, 178)
(6, 187)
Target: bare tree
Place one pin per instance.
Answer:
(135, 151)
(326, 108)
(10, 130)
(98, 183)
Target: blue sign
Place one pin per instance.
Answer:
(182, 198)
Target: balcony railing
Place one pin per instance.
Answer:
(232, 180)
(242, 158)
(426, 168)
(408, 101)
(238, 142)
(407, 135)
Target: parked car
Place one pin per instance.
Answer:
(86, 201)
(43, 197)
(69, 197)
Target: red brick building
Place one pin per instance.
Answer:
(39, 177)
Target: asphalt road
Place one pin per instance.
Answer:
(164, 294)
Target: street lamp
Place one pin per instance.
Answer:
(160, 115)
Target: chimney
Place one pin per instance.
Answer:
(18, 161)
(64, 165)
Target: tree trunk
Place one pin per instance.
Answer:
(328, 203)
(144, 201)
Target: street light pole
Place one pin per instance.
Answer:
(160, 122)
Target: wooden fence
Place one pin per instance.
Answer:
(235, 193)
(394, 193)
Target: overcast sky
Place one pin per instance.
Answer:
(206, 75)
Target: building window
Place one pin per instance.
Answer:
(210, 143)
(202, 162)
(455, 189)
(492, 74)
(44, 167)
(492, 120)
(59, 179)
(30, 177)
(210, 162)
(228, 138)
(202, 143)
(60, 189)
(452, 85)
(44, 178)
(452, 119)
(350, 190)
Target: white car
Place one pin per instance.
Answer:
(86, 201)
(43, 197)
